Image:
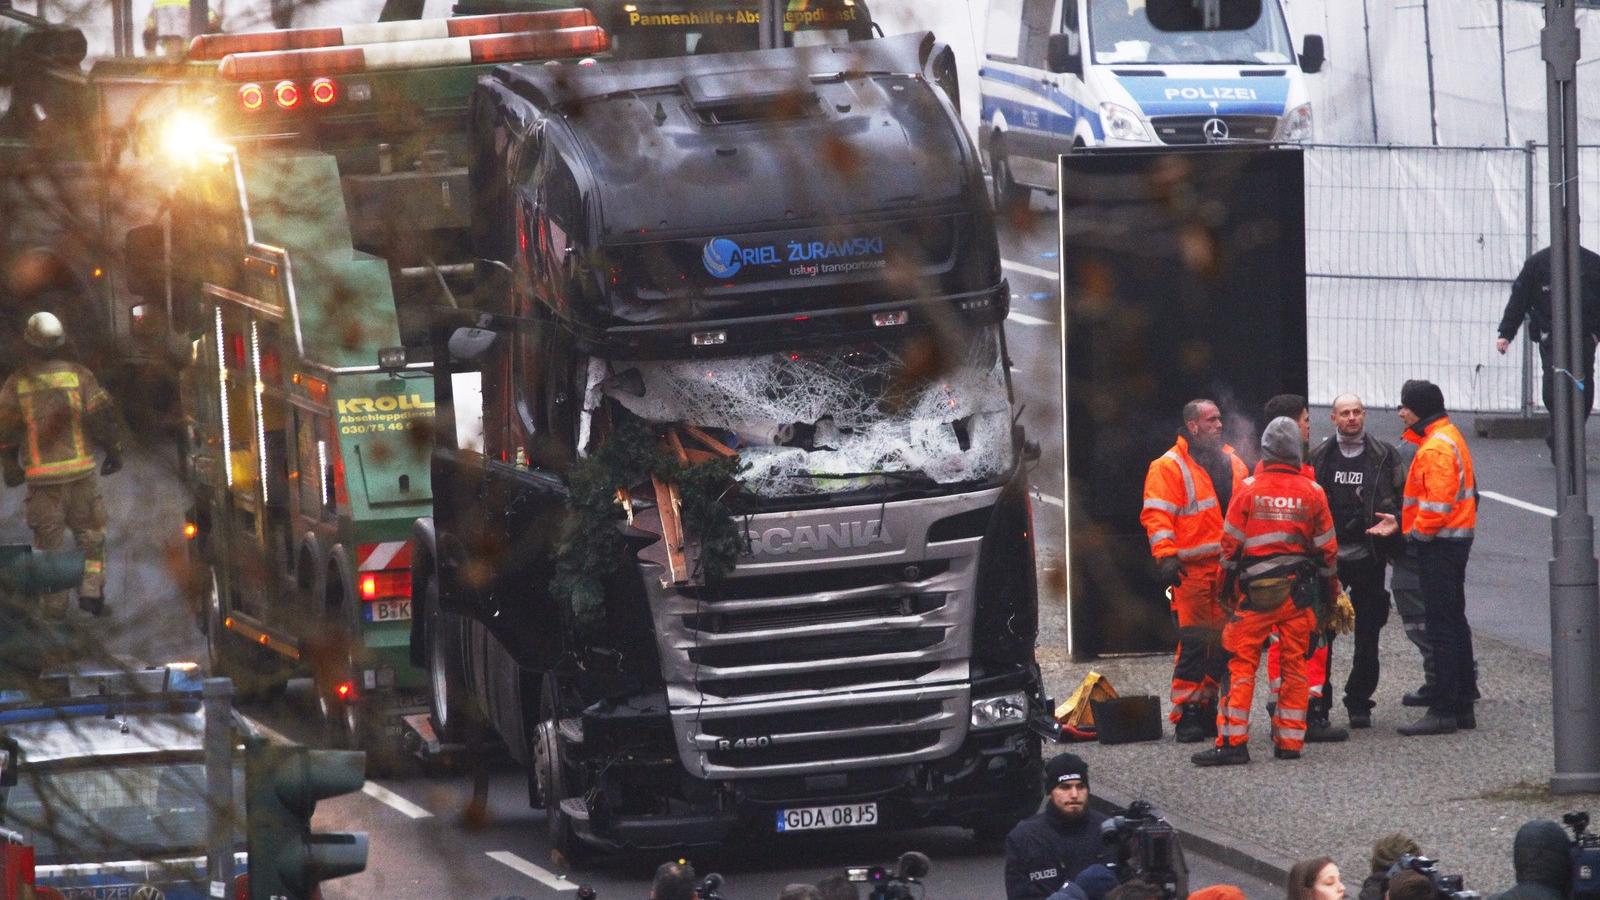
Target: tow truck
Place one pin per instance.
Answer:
(322, 210)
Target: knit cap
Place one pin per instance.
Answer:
(1422, 397)
(1280, 442)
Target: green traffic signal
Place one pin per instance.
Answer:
(283, 785)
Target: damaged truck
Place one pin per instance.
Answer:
(731, 526)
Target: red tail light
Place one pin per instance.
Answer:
(323, 91)
(252, 97)
(346, 691)
(241, 886)
(391, 585)
(287, 93)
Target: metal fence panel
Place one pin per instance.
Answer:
(1410, 253)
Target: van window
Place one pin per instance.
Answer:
(1004, 39)
(1036, 15)
(1120, 32)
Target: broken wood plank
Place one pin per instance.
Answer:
(670, 506)
(711, 443)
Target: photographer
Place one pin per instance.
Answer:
(1540, 857)
(1052, 846)
(674, 881)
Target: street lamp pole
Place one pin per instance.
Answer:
(1574, 596)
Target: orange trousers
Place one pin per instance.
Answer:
(1199, 664)
(1243, 637)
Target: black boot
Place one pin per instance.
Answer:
(1430, 724)
(1422, 696)
(1191, 727)
(1222, 756)
(1208, 712)
(1321, 731)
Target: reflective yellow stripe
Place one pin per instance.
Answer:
(92, 566)
(1291, 715)
(74, 466)
(49, 381)
(1157, 503)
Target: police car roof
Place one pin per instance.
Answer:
(735, 141)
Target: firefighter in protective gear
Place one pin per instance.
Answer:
(1277, 544)
(50, 412)
(1186, 491)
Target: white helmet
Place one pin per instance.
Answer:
(44, 331)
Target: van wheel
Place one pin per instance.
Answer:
(447, 696)
(555, 776)
(1008, 195)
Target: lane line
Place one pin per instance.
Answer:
(1057, 502)
(394, 801)
(1519, 504)
(1026, 269)
(1025, 319)
(507, 858)
(271, 734)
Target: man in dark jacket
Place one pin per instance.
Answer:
(1539, 857)
(1530, 299)
(1050, 848)
(1361, 476)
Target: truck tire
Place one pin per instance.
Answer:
(555, 775)
(345, 722)
(1008, 195)
(451, 708)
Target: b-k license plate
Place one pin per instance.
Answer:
(387, 611)
(814, 818)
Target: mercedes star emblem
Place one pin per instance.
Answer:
(1215, 130)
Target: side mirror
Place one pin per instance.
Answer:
(469, 344)
(144, 258)
(1312, 54)
(10, 762)
(1061, 56)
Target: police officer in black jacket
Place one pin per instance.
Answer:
(1051, 847)
(1530, 299)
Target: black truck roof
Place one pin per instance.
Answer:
(766, 137)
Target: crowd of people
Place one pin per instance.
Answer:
(1262, 562)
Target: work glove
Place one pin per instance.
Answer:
(1167, 570)
(112, 464)
(14, 476)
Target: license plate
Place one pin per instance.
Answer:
(813, 818)
(388, 611)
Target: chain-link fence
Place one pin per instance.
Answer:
(1410, 254)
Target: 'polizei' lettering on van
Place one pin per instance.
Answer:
(841, 536)
(1210, 93)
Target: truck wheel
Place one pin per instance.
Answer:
(447, 696)
(229, 657)
(1008, 195)
(555, 776)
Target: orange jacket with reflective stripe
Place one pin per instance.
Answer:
(1180, 513)
(1441, 499)
(1277, 513)
(42, 408)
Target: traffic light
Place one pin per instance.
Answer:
(282, 787)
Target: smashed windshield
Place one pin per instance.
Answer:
(801, 419)
(1120, 32)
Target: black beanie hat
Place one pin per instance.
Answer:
(1422, 397)
(1064, 768)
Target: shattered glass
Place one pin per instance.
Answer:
(855, 411)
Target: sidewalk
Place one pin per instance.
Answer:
(1461, 796)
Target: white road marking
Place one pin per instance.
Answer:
(507, 858)
(1519, 504)
(1026, 269)
(394, 801)
(1057, 502)
(1025, 319)
(271, 734)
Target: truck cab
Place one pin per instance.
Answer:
(1063, 74)
(731, 527)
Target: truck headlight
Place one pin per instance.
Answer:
(1122, 123)
(1296, 125)
(997, 712)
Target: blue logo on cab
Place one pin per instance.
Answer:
(722, 258)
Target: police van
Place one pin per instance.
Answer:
(1062, 74)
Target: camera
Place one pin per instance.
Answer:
(887, 884)
(1448, 887)
(711, 887)
(1585, 853)
(1147, 849)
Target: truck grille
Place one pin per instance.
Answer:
(831, 660)
(1192, 129)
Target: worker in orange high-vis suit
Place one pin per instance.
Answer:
(50, 412)
(1186, 491)
(1278, 542)
(1438, 517)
